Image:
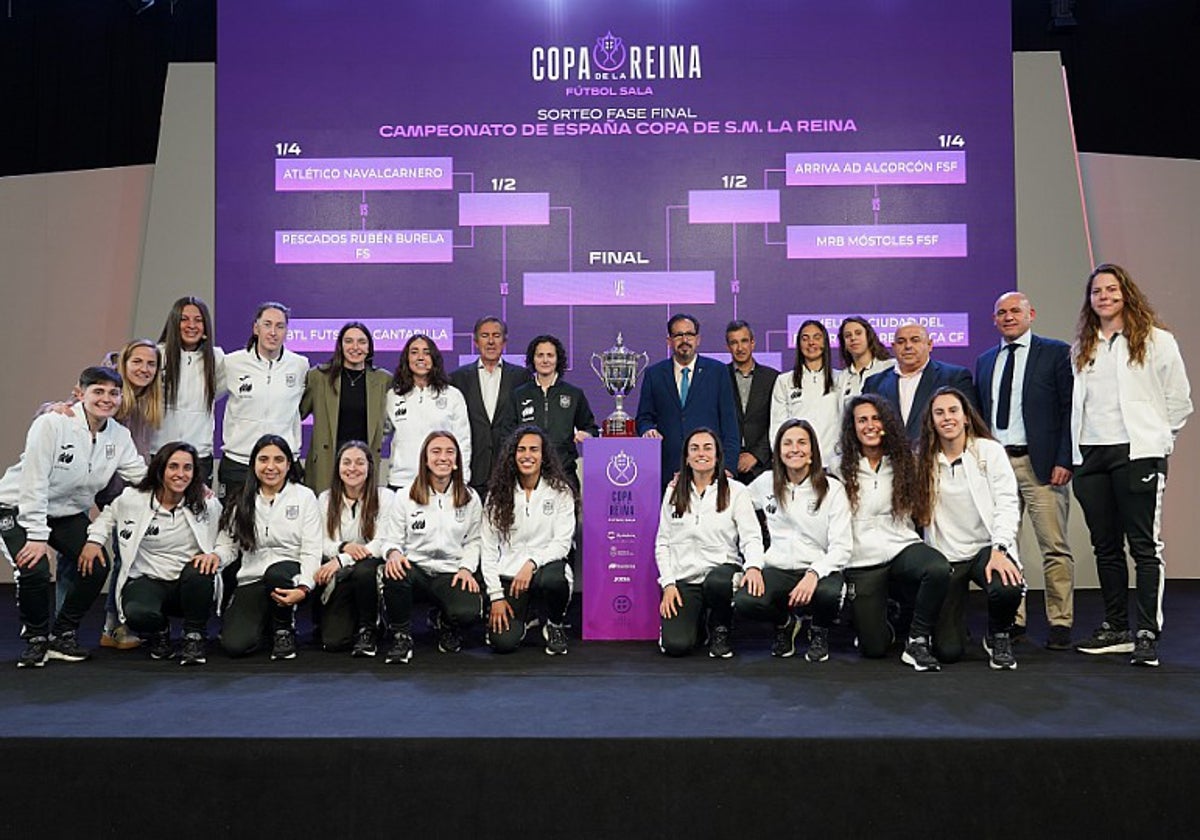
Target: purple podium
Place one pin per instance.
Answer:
(621, 501)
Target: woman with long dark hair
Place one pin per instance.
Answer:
(528, 526)
(1130, 399)
(808, 518)
(421, 400)
(863, 356)
(167, 529)
(347, 399)
(353, 509)
(275, 523)
(808, 390)
(193, 379)
(706, 526)
(968, 493)
(880, 477)
(431, 542)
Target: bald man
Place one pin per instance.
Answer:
(1025, 392)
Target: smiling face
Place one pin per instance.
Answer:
(271, 468)
(868, 428)
(912, 347)
(1013, 316)
(141, 366)
(812, 345)
(353, 468)
(529, 458)
(441, 457)
(179, 473)
(795, 450)
(949, 418)
(702, 454)
(1106, 298)
(191, 327)
(356, 346)
(100, 400)
(854, 339)
(420, 360)
(545, 359)
(489, 341)
(270, 329)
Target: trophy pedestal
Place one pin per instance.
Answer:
(616, 427)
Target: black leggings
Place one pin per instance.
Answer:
(251, 608)
(554, 582)
(353, 604)
(950, 635)
(778, 584)
(459, 607)
(147, 602)
(67, 536)
(921, 572)
(678, 635)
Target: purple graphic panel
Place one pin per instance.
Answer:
(817, 169)
(857, 242)
(318, 335)
(947, 329)
(504, 209)
(618, 288)
(363, 246)
(717, 206)
(325, 174)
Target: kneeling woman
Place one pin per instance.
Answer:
(808, 519)
(707, 521)
(527, 530)
(971, 511)
(431, 541)
(275, 522)
(880, 476)
(352, 508)
(167, 529)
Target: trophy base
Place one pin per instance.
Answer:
(618, 427)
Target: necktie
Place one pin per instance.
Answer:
(1004, 402)
(684, 381)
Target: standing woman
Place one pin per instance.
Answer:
(346, 398)
(808, 390)
(167, 529)
(265, 382)
(421, 400)
(880, 477)
(808, 518)
(527, 530)
(1131, 397)
(431, 542)
(352, 509)
(863, 356)
(971, 510)
(556, 405)
(275, 522)
(193, 378)
(707, 522)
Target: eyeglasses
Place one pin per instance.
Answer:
(679, 335)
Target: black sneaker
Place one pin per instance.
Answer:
(1059, 638)
(1145, 650)
(34, 655)
(1105, 639)
(718, 643)
(284, 645)
(818, 644)
(556, 639)
(1000, 652)
(65, 647)
(364, 642)
(917, 654)
(785, 638)
(192, 651)
(160, 645)
(401, 649)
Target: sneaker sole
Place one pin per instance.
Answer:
(998, 667)
(359, 654)
(1144, 663)
(728, 655)
(908, 660)
(275, 658)
(550, 652)
(187, 662)
(41, 663)
(824, 658)
(392, 660)
(1123, 647)
(67, 657)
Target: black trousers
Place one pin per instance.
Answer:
(950, 633)
(251, 612)
(778, 584)
(459, 607)
(1122, 503)
(231, 478)
(921, 573)
(149, 602)
(678, 635)
(353, 604)
(67, 536)
(554, 583)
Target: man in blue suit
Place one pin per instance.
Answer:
(685, 392)
(909, 386)
(1025, 392)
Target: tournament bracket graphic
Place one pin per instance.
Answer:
(589, 168)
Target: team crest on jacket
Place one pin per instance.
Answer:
(527, 409)
(291, 380)
(770, 506)
(441, 402)
(460, 514)
(7, 522)
(812, 507)
(564, 400)
(292, 512)
(548, 507)
(66, 456)
(110, 451)
(401, 410)
(795, 394)
(246, 385)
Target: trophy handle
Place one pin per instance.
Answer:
(596, 357)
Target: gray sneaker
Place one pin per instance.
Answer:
(917, 654)
(192, 651)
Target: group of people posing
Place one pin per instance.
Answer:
(891, 484)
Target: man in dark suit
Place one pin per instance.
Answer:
(487, 385)
(685, 392)
(752, 384)
(1025, 393)
(909, 386)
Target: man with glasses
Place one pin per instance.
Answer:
(685, 392)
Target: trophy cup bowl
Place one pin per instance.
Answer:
(618, 368)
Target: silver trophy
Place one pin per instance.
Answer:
(618, 369)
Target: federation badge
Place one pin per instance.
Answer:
(564, 400)
(548, 507)
(292, 512)
(7, 522)
(110, 451)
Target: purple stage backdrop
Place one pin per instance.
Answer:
(590, 166)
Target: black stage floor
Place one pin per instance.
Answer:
(1065, 741)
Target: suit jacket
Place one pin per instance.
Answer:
(754, 423)
(487, 435)
(1045, 401)
(711, 403)
(321, 401)
(936, 375)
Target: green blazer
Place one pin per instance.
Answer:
(321, 401)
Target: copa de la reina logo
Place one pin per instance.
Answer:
(611, 59)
